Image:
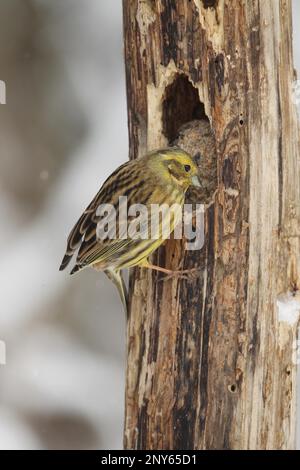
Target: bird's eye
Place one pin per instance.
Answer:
(187, 168)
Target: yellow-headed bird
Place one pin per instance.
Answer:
(160, 177)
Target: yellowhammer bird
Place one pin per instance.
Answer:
(160, 177)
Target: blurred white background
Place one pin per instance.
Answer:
(63, 130)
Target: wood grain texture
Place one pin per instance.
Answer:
(209, 363)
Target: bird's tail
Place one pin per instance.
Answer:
(116, 277)
(65, 261)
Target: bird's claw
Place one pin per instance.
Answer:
(187, 274)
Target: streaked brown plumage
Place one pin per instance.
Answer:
(159, 177)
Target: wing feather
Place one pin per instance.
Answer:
(128, 180)
(125, 181)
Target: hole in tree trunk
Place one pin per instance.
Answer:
(186, 125)
(181, 105)
(210, 3)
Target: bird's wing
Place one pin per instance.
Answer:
(125, 181)
(83, 228)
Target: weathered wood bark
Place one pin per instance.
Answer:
(210, 359)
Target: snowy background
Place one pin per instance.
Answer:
(63, 130)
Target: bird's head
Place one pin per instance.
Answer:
(176, 166)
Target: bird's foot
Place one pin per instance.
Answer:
(172, 274)
(187, 274)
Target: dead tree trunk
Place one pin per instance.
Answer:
(210, 359)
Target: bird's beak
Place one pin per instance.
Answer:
(196, 181)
